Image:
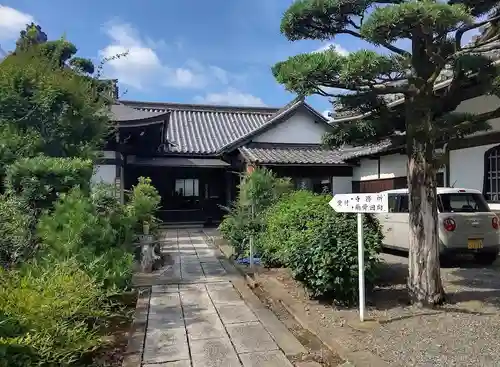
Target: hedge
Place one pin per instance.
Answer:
(39, 181)
(319, 245)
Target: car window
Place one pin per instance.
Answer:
(462, 203)
(393, 202)
(404, 204)
(398, 203)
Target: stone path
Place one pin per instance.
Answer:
(197, 318)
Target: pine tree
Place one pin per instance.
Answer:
(421, 42)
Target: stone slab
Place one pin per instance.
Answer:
(170, 364)
(235, 313)
(265, 359)
(204, 326)
(213, 353)
(170, 288)
(166, 345)
(213, 270)
(251, 337)
(223, 293)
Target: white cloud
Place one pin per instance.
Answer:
(143, 67)
(342, 51)
(12, 21)
(139, 66)
(231, 96)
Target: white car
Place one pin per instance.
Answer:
(466, 223)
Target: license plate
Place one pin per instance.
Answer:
(474, 244)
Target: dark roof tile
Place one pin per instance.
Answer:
(291, 154)
(206, 129)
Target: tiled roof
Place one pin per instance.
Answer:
(122, 113)
(203, 129)
(366, 150)
(290, 154)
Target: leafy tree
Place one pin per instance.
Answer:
(421, 41)
(49, 102)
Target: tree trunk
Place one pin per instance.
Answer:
(424, 280)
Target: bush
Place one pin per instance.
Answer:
(74, 224)
(319, 245)
(107, 204)
(259, 189)
(78, 228)
(16, 227)
(40, 180)
(48, 315)
(144, 201)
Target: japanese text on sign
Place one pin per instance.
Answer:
(360, 203)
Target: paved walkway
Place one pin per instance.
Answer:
(197, 318)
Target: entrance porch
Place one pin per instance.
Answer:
(192, 190)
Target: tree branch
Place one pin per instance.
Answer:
(462, 30)
(388, 46)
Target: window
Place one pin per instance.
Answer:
(398, 203)
(492, 174)
(462, 203)
(314, 184)
(187, 187)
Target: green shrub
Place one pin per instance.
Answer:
(48, 315)
(319, 245)
(40, 180)
(16, 228)
(74, 224)
(257, 191)
(107, 204)
(112, 269)
(143, 202)
(93, 236)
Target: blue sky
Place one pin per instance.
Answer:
(192, 51)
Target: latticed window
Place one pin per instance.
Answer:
(492, 174)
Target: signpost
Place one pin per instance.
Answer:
(361, 203)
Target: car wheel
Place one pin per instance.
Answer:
(486, 258)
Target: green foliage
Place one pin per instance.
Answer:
(40, 180)
(63, 108)
(73, 225)
(78, 229)
(105, 199)
(319, 245)
(13, 146)
(47, 315)
(144, 201)
(391, 23)
(434, 30)
(257, 191)
(16, 224)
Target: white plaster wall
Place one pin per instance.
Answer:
(393, 166)
(367, 170)
(299, 128)
(108, 154)
(104, 173)
(341, 185)
(467, 167)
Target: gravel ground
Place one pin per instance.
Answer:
(465, 332)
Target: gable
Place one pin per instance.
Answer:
(301, 127)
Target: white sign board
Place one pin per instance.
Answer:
(360, 203)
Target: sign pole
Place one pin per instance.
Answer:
(361, 268)
(360, 203)
(251, 238)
